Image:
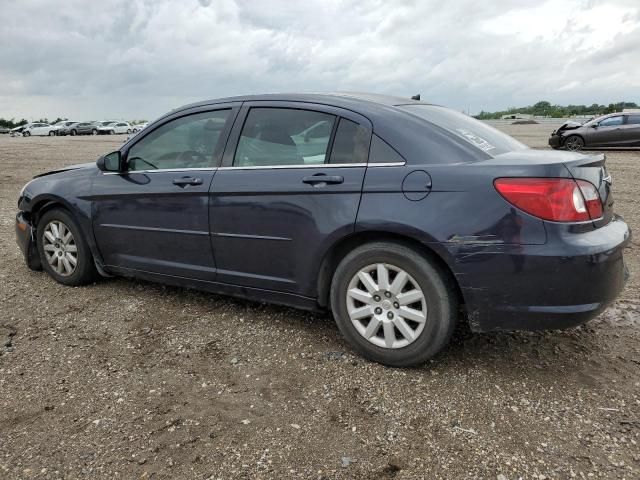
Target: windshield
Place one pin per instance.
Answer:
(477, 133)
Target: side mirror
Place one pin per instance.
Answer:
(112, 162)
(595, 125)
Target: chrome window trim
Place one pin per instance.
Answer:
(271, 167)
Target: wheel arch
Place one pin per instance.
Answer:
(341, 248)
(564, 139)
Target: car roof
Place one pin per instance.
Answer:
(349, 100)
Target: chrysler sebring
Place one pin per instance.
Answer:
(400, 217)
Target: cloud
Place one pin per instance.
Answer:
(139, 58)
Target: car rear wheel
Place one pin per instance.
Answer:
(111, 132)
(574, 143)
(393, 304)
(64, 253)
(129, 131)
(52, 133)
(94, 132)
(73, 132)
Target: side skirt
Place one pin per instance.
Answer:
(247, 293)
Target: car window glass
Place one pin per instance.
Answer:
(283, 136)
(608, 122)
(382, 152)
(633, 120)
(186, 142)
(477, 133)
(351, 143)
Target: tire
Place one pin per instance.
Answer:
(111, 132)
(73, 133)
(129, 132)
(26, 134)
(52, 133)
(94, 132)
(574, 143)
(438, 306)
(62, 271)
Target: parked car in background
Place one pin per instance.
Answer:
(39, 129)
(4, 130)
(79, 128)
(115, 127)
(62, 124)
(392, 217)
(612, 130)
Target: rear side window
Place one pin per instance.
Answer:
(284, 136)
(351, 143)
(382, 152)
(633, 120)
(479, 134)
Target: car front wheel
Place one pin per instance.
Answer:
(26, 134)
(574, 143)
(393, 304)
(52, 133)
(64, 253)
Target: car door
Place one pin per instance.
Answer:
(154, 216)
(37, 129)
(606, 133)
(630, 131)
(279, 201)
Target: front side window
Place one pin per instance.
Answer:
(611, 121)
(284, 136)
(186, 142)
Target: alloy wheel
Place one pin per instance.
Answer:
(573, 143)
(386, 305)
(60, 248)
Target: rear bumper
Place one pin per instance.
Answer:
(561, 284)
(25, 238)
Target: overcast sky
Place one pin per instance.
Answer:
(136, 59)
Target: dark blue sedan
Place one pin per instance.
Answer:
(394, 214)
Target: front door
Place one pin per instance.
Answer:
(289, 186)
(607, 132)
(154, 216)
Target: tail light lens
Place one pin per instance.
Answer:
(555, 199)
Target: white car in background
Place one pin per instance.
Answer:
(39, 129)
(63, 124)
(114, 127)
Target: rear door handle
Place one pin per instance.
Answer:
(184, 181)
(321, 180)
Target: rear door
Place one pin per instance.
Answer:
(154, 217)
(630, 130)
(289, 185)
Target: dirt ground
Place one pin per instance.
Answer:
(126, 379)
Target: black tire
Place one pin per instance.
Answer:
(85, 270)
(52, 133)
(94, 132)
(129, 132)
(26, 134)
(574, 143)
(439, 294)
(73, 133)
(111, 132)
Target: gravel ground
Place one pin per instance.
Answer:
(126, 379)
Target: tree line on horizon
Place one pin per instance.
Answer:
(545, 109)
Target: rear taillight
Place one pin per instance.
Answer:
(555, 199)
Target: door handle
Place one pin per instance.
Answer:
(321, 180)
(184, 181)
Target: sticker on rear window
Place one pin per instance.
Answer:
(479, 142)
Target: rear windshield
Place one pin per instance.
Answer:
(477, 133)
